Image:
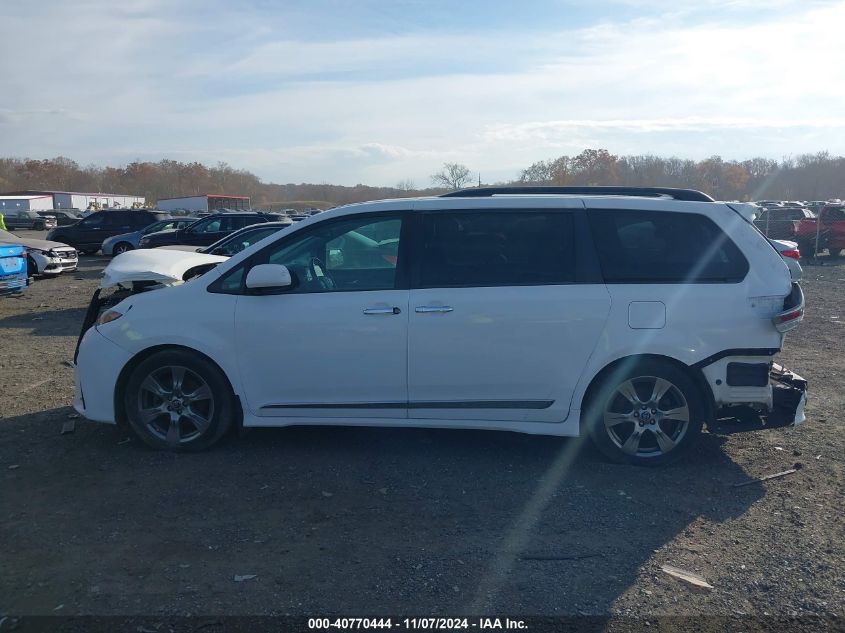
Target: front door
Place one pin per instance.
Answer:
(335, 345)
(91, 231)
(833, 228)
(208, 231)
(500, 325)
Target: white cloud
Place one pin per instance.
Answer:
(150, 82)
(551, 130)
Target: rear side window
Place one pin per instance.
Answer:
(137, 219)
(664, 247)
(491, 248)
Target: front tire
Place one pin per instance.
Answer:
(31, 267)
(646, 414)
(122, 247)
(178, 401)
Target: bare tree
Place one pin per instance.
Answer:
(406, 185)
(452, 176)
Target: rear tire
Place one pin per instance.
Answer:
(646, 414)
(806, 249)
(178, 401)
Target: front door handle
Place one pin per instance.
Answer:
(426, 309)
(393, 310)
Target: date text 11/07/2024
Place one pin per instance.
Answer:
(433, 624)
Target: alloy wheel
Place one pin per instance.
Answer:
(646, 416)
(175, 404)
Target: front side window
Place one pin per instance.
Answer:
(158, 226)
(95, 219)
(664, 247)
(334, 256)
(212, 225)
(492, 248)
(834, 214)
(236, 243)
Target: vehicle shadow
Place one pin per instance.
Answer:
(65, 322)
(90, 267)
(357, 521)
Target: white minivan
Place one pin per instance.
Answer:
(632, 315)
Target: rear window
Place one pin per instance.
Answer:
(664, 247)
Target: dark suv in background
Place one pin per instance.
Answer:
(88, 234)
(208, 230)
(63, 218)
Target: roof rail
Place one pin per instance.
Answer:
(648, 192)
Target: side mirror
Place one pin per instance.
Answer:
(269, 277)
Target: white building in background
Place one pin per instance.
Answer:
(25, 203)
(81, 201)
(205, 202)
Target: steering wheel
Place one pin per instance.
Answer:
(319, 274)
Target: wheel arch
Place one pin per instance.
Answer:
(32, 266)
(128, 368)
(626, 362)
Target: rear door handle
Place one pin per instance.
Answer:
(426, 309)
(393, 310)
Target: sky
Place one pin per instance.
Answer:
(379, 92)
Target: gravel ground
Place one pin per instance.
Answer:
(317, 521)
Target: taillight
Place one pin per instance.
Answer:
(788, 320)
(793, 253)
(793, 312)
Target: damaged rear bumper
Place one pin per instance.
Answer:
(789, 397)
(786, 408)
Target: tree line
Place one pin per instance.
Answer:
(817, 176)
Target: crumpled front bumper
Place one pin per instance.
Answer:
(789, 397)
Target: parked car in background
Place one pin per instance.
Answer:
(791, 255)
(830, 227)
(435, 312)
(779, 222)
(236, 242)
(43, 257)
(88, 235)
(13, 276)
(208, 230)
(29, 220)
(118, 244)
(63, 217)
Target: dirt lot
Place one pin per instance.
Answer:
(373, 521)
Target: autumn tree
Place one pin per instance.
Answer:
(595, 167)
(548, 172)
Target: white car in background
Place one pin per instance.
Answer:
(632, 315)
(44, 257)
